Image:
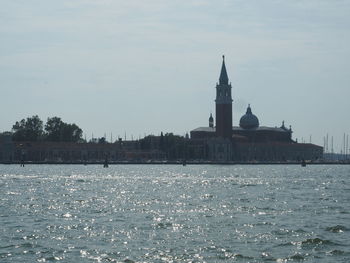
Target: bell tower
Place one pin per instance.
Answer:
(223, 103)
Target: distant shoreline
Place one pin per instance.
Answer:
(176, 163)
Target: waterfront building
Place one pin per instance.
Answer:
(222, 142)
(70, 152)
(249, 141)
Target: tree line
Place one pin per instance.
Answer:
(54, 130)
(174, 146)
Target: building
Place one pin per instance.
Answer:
(6, 147)
(72, 152)
(222, 142)
(249, 141)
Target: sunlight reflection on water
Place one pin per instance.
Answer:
(169, 213)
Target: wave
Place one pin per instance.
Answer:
(317, 241)
(247, 185)
(337, 229)
(337, 252)
(234, 256)
(310, 241)
(297, 257)
(240, 256)
(8, 246)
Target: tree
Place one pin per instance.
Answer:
(59, 131)
(53, 128)
(72, 133)
(30, 129)
(102, 140)
(174, 146)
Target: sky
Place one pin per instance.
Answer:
(145, 67)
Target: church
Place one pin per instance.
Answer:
(249, 141)
(218, 142)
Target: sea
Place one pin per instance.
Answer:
(174, 213)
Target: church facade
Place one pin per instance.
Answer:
(249, 141)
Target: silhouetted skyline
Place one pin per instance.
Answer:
(145, 67)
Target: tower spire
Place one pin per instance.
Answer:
(223, 106)
(223, 74)
(211, 121)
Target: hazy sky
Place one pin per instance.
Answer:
(144, 67)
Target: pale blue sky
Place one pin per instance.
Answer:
(144, 67)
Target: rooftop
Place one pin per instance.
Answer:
(236, 128)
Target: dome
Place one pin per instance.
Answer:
(249, 120)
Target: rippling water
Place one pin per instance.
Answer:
(171, 213)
